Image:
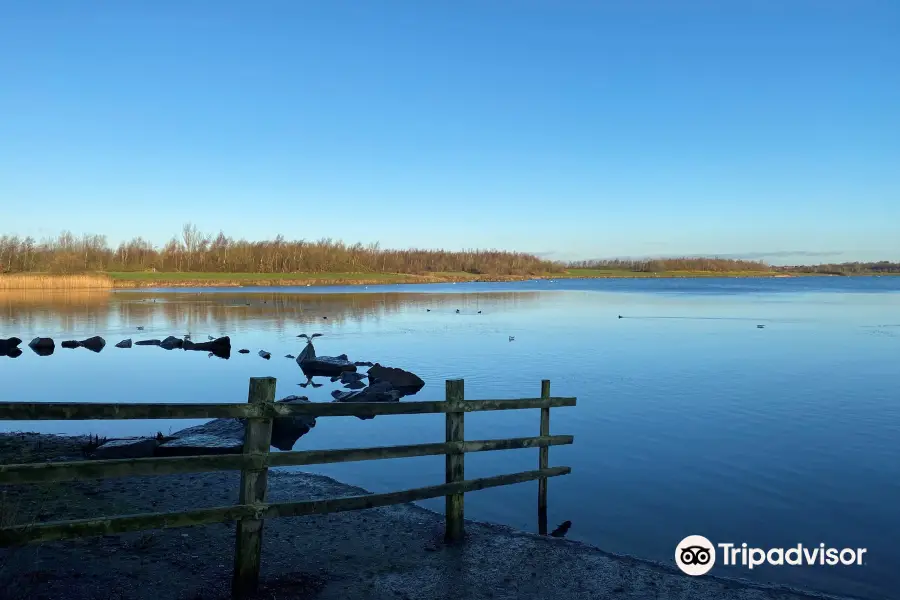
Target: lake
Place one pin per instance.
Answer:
(690, 418)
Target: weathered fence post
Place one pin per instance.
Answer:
(543, 460)
(257, 438)
(455, 462)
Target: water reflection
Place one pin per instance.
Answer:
(223, 312)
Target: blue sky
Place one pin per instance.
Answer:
(577, 129)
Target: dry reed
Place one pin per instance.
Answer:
(32, 281)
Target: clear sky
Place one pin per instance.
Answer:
(577, 129)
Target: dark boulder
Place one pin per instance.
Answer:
(171, 343)
(265, 355)
(148, 343)
(348, 377)
(220, 347)
(126, 448)
(326, 366)
(308, 353)
(94, 344)
(219, 436)
(10, 347)
(226, 436)
(42, 346)
(403, 381)
(9, 343)
(378, 392)
(124, 344)
(243, 351)
(363, 363)
(355, 385)
(287, 430)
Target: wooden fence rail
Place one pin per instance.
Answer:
(252, 510)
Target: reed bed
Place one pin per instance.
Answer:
(39, 281)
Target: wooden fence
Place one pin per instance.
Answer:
(253, 509)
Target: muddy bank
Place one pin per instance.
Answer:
(386, 553)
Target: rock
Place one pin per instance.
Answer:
(219, 436)
(94, 344)
(243, 351)
(42, 346)
(326, 366)
(171, 342)
(148, 343)
(403, 381)
(265, 355)
(127, 448)
(226, 436)
(10, 347)
(355, 385)
(363, 363)
(124, 344)
(220, 347)
(8, 343)
(378, 392)
(348, 377)
(289, 356)
(287, 430)
(308, 353)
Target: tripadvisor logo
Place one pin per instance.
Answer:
(696, 555)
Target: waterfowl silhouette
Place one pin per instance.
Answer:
(562, 529)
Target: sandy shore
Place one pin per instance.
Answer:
(385, 554)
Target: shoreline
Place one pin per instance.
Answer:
(107, 281)
(384, 553)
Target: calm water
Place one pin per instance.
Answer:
(690, 419)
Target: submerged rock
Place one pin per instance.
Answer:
(243, 351)
(94, 344)
(363, 363)
(326, 366)
(42, 346)
(348, 377)
(171, 342)
(220, 347)
(265, 355)
(10, 347)
(404, 381)
(308, 353)
(148, 343)
(124, 344)
(378, 392)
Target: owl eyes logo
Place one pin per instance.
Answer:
(695, 555)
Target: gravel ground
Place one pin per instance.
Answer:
(386, 553)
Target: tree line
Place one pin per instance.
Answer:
(661, 265)
(848, 268)
(194, 251)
